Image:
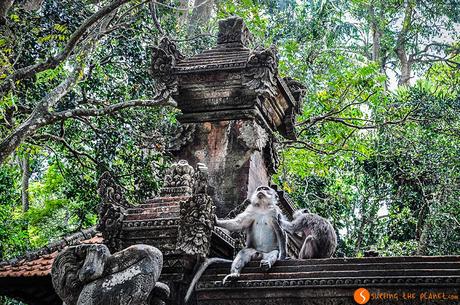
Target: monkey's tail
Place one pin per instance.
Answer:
(207, 262)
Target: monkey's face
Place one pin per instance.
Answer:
(264, 196)
(300, 212)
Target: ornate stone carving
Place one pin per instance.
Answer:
(110, 191)
(253, 136)
(179, 180)
(197, 215)
(181, 136)
(164, 58)
(170, 48)
(271, 157)
(112, 211)
(233, 31)
(298, 91)
(262, 68)
(90, 275)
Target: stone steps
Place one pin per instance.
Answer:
(331, 281)
(446, 268)
(277, 268)
(335, 274)
(148, 216)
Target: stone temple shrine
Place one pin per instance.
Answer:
(233, 103)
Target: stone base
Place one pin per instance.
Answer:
(333, 281)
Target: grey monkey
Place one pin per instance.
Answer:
(265, 240)
(317, 236)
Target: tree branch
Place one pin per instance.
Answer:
(76, 153)
(52, 62)
(91, 112)
(38, 118)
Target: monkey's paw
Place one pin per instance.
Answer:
(265, 265)
(231, 277)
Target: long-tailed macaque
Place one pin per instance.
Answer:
(265, 241)
(317, 235)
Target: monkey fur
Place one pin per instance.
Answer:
(317, 236)
(265, 240)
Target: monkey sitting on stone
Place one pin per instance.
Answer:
(265, 241)
(317, 236)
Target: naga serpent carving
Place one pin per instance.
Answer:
(90, 275)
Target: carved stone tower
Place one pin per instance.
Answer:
(233, 101)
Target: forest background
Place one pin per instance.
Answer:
(379, 134)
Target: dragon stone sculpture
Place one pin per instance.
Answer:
(89, 275)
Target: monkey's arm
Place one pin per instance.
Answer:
(290, 227)
(239, 223)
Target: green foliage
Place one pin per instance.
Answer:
(13, 238)
(381, 164)
(402, 199)
(9, 301)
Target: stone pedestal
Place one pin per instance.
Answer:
(233, 102)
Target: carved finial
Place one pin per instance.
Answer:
(110, 191)
(179, 180)
(164, 58)
(111, 211)
(197, 216)
(262, 71)
(233, 31)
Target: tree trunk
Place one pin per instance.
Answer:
(406, 67)
(182, 13)
(25, 167)
(376, 33)
(5, 6)
(423, 241)
(32, 5)
(362, 226)
(202, 12)
(401, 43)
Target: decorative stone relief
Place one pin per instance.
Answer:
(253, 136)
(164, 58)
(262, 68)
(112, 211)
(271, 157)
(181, 136)
(197, 216)
(298, 91)
(90, 275)
(179, 180)
(233, 30)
